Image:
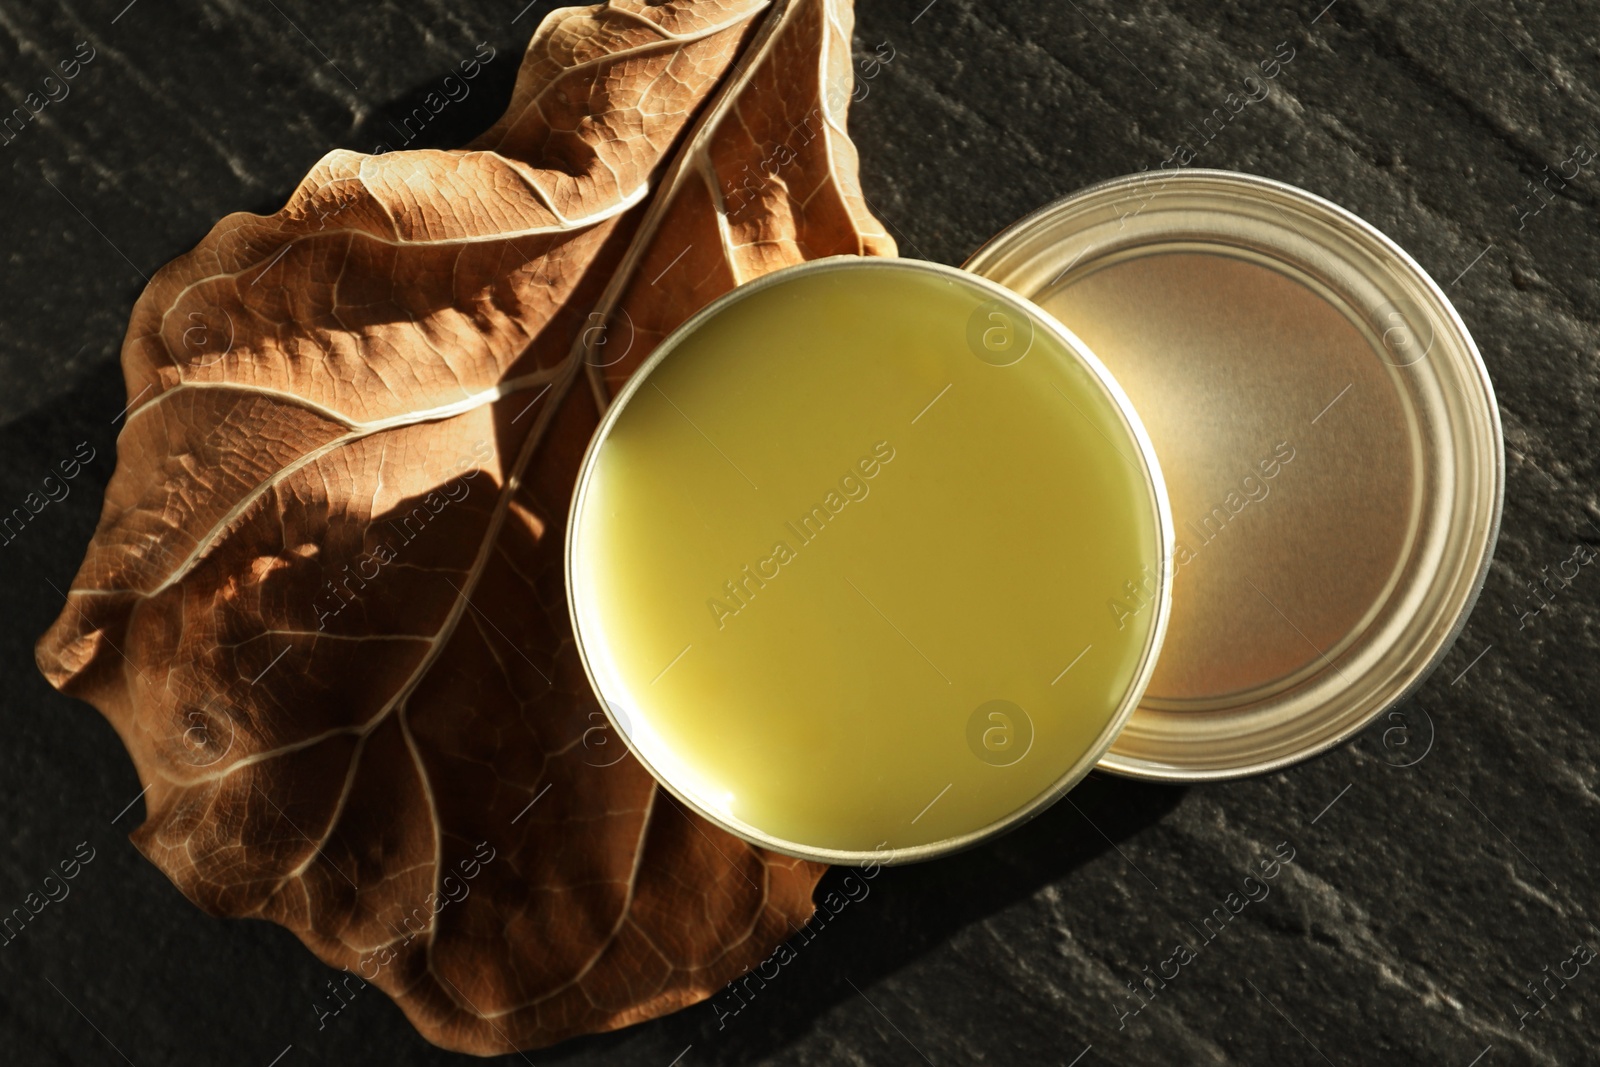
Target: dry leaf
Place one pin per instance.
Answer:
(324, 607)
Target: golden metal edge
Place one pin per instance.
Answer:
(1154, 484)
(1476, 372)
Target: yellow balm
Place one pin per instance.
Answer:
(870, 556)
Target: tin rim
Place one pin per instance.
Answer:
(1460, 481)
(1156, 497)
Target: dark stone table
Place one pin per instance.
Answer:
(1421, 899)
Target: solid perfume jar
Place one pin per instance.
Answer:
(1188, 476)
(841, 555)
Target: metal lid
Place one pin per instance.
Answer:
(1330, 444)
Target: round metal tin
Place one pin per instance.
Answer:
(626, 702)
(1330, 443)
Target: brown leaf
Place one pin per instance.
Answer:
(324, 607)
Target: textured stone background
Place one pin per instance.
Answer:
(1417, 906)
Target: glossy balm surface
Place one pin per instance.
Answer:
(867, 559)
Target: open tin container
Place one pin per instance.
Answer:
(1216, 482)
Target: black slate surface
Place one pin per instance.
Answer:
(1420, 900)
